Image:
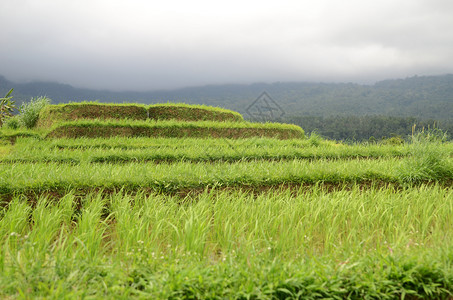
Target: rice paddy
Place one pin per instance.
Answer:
(206, 218)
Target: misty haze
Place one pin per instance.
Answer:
(142, 46)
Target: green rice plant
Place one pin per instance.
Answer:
(134, 232)
(174, 129)
(170, 177)
(13, 134)
(29, 112)
(285, 224)
(307, 243)
(185, 175)
(429, 160)
(63, 244)
(91, 228)
(14, 223)
(123, 150)
(90, 110)
(5, 150)
(208, 223)
(299, 146)
(191, 112)
(46, 221)
(195, 228)
(314, 139)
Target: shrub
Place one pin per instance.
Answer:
(12, 123)
(315, 139)
(90, 110)
(394, 141)
(7, 106)
(428, 161)
(29, 112)
(175, 129)
(435, 135)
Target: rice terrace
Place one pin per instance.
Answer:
(177, 201)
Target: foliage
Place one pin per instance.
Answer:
(314, 139)
(362, 128)
(158, 150)
(55, 176)
(7, 106)
(336, 110)
(12, 122)
(347, 244)
(29, 112)
(90, 110)
(395, 140)
(422, 97)
(41, 164)
(186, 112)
(204, 218)
(173, 128)
(427, 161)
(429, 135)
(109, 111)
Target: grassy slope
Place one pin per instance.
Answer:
(90, 110)
(52, 114)
(173, 129)
(186, 112)
(169, 120)
(37, 177)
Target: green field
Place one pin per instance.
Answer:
(218, 218)
(194, 150)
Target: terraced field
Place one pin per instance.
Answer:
(246, 218)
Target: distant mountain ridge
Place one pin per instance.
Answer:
(423, 97)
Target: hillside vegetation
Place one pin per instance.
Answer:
(92, 110)
(164, 120)
(340, 110)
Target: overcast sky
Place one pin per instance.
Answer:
(146, 44)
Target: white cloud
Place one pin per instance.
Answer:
(140, 44)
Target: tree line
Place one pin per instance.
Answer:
(339, 111)
(363, 128)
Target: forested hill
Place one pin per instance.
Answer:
(335, 110)
(427, 97)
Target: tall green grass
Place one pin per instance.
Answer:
(428, 160)
(173, 129)
(53, 114)
(375, 243)
(190, 112)
(130, 150)
(346, 228)
(29, 112)
(27, 177)
(22, 177)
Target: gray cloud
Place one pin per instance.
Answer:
(144, 45)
